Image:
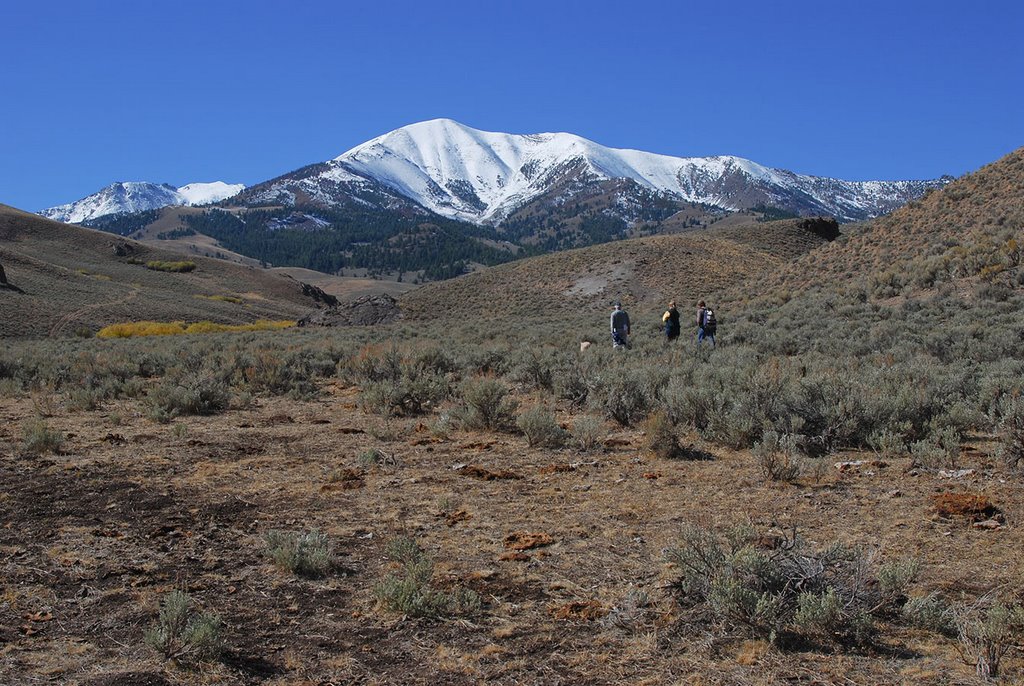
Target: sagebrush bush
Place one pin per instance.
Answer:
(588, 432)
(182, 633)
(829, 594)
(660, 438)
(628, 394)
(821, 615)
(888, 444)
(988, 630)
(38, 438)
(1011, 432)
(778, 457)
(540, 427)
(573, 383)
(407, 395)
(930, 613)
(487, 405)
(307, 554)
(274, 373)
(410, 591)
(192, 394)
(535, 368)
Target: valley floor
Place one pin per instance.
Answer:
(95, 536)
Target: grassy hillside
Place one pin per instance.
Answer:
(971, 230)
(70, 278)
(643, 273)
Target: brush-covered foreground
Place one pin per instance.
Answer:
(835, 501)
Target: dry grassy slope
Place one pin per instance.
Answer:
(642, 272)
(968, 211)
(71, 278)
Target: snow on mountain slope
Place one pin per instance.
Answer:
(205, 193)
(480, 176)
(139, 196)
(484, 177)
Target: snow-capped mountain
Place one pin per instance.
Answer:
(206, 193)
(139, 196)
(484, 177)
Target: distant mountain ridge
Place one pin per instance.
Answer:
(139, 196)
(484, 177)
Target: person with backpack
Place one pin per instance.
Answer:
(620, 327)
(706, 323)
(671, 321)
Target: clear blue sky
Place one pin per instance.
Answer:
(101, 91)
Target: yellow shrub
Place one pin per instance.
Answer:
(130, 329)
(163, 266)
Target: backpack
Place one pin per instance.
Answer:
(710, 324)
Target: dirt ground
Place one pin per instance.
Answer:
(92, 538)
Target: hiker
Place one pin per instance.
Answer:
(706, 323)
(620, 327)
(671, 321)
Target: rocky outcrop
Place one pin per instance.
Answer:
(366, 311)
(318, 294)
(825, 227)
(123, 249)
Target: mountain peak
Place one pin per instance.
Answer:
(139, 196)
(481, 176)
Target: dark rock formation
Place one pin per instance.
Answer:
(5, 285)
(318, 295)
(365, 311)
(825, 227)
(122, 249)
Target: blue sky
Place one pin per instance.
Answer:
(103, 91)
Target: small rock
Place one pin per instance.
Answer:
(988, 524)
(955, 473)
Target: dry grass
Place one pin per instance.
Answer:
(552, 553)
